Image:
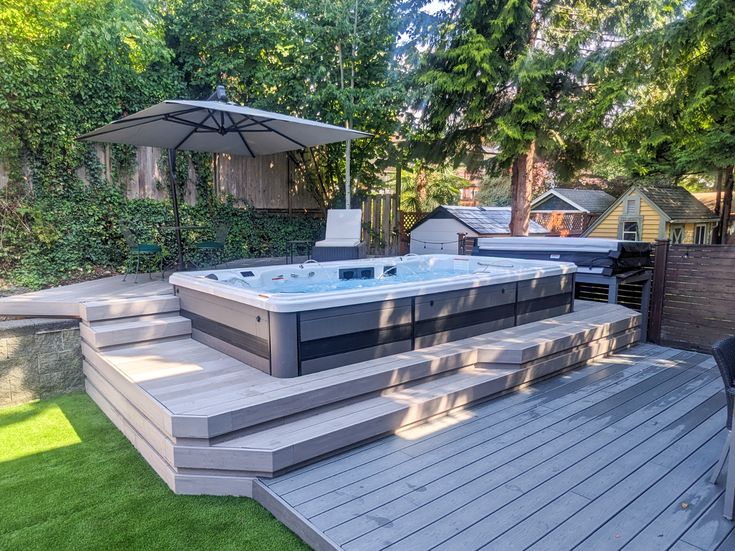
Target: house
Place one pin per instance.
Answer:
(569, 212)
(709, 199)
(438, 232)
(468, 195)
(647, 213)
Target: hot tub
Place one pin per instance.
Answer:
(298, 319)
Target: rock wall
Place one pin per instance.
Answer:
(39, 358)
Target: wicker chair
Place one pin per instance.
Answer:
(724, 353)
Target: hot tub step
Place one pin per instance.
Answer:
(129, 332)
(139, 306)
(306, 438)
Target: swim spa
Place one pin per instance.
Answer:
(298, 319)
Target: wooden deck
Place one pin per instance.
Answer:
(64, 302)
(612, 455)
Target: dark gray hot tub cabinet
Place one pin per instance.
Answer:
(299, 343)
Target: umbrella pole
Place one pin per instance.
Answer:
(175, 203)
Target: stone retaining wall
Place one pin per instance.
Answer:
(39, 358)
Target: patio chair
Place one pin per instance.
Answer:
(216, 248)
(724, 353)
(342, 239)
(148, 250)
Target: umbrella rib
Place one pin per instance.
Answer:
(251, 122)
(244, 141)
(302, 146)
(196, 127)
(103, 132)
(133, 118)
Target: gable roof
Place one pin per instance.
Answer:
(674, 204)
(593, 201)
(482, 220)
(677, 203)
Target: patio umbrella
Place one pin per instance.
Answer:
(216, 126)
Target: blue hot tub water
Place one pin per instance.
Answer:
(318, 282)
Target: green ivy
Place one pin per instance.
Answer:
(65, 236)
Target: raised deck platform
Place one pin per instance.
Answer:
(208, 423)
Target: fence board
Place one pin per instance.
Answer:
(698, 296)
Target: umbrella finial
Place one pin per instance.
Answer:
(219, 94)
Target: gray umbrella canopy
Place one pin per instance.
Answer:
(216, 126)
(219, 127)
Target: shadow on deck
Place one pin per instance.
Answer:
(612, 455)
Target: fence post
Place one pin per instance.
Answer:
(461, 243)
(661, 260)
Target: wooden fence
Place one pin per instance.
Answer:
(267, 182)
(380, 225)
(693, 302)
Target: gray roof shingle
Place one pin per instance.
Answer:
(487, 220)
(594, 200)
(677, 203)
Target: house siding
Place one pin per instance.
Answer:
(651, 226)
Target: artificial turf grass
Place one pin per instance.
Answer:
(70, 480)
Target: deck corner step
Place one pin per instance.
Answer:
(130, 332)
(128, 307)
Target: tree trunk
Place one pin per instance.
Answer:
(717, 237)
(726, 204)
(521, 188)
(521, 179)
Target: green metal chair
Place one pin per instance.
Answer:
(149, 250)
(216, 248)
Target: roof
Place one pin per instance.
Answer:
(709, 200)
(677, 203)
(482, 220)
(594, 201)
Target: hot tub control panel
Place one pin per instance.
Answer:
(360, 272)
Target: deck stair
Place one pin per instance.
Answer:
(208, 423)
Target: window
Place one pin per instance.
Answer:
(631, 231)
(677, 234)
(700, 234)
(632, 206)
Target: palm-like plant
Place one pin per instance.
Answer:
(426, 187)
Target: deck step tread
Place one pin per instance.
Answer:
(339, 418)
(133, 332)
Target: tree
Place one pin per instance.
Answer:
(68, 67)
(426, 187)
(664, 102)
(505, 73)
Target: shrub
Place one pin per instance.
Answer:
(67, 236)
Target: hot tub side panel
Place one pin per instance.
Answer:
(454, 315)
(544, 297)
(233, 328)
(332, 337)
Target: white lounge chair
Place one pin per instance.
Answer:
(342, 240)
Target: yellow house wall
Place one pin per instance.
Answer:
(608, 227)
(689, 232)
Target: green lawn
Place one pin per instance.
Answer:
(70, 480)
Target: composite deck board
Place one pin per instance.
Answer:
(506, 494)
(499, 432)
(607, 456)
(709, 527)
(568, 387)
(506, 462)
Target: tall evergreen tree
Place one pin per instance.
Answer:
(502, 73)
(664, 101)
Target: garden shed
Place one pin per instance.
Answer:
(438, 232)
